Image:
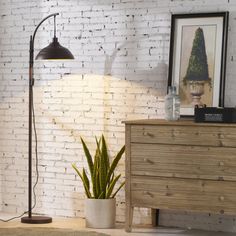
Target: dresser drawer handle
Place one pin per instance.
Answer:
(148, 161)
(148, 193)
(145, 133)
(222, 198)
(221, 163)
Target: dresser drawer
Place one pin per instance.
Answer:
(195, 195)
(187, 135)
(216, 163)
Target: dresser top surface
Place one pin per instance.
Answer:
(181, 122)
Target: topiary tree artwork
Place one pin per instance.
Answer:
(197, 66)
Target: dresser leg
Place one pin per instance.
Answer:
(129, 219)
(155, 217)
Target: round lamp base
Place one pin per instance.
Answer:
(36, 220)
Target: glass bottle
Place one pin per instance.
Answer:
(172, 104)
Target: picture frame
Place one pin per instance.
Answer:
(197, 59)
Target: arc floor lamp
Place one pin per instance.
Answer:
(53, 51)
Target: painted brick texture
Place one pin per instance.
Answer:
(120, 72)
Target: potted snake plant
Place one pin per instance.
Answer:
(100, 185)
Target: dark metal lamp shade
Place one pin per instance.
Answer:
(54, 51)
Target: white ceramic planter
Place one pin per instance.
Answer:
(100, 213)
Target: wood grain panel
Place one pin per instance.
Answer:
(202, 162)
(185, 135)
(181, 122)
(129, 208)
(191, 194)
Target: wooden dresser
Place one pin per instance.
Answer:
(180, 165)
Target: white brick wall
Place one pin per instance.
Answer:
(113, 78)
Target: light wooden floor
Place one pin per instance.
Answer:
(76, 223)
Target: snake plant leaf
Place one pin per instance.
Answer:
(87, 192)
(95, 177)
(104, 157)
(111, 179)
(98, 142)
(105, 153)
(86, 180)
(115, 162)
(101, 196)
(98, 187)
(112, 185)
(95, 171)
(77, 171)
(102, 174)
(122, 184)
(88, 156)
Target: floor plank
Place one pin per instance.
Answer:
(77, 223)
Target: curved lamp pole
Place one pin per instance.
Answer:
(53, 51)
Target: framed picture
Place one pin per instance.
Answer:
(197, 59)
